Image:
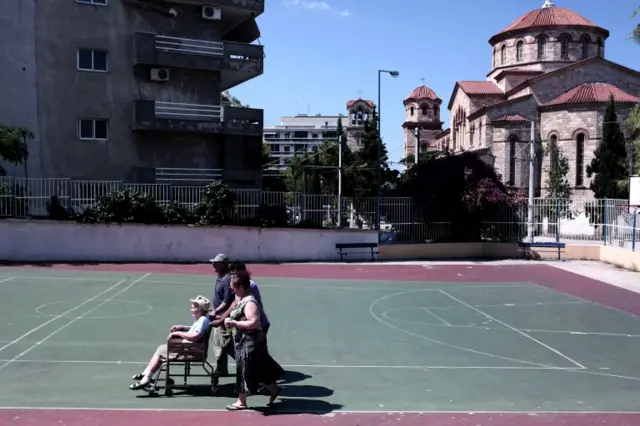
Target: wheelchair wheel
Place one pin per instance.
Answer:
(168, 392)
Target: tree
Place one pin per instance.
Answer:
(634, 126)
(557, 184)
(609, 164)
(366, 162)
(635, 35)
(14, 146)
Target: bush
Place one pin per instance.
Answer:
(217, 206)
(175, 214)
(124, 206)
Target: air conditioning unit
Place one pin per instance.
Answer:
(211, 13)
(159, 74)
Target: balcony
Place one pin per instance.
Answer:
(255, 7)
(194, 118)
(237, 62)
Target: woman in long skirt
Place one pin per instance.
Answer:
(254, 365)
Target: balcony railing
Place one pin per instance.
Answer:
(169, 174)
(189, 46)
(181, 111)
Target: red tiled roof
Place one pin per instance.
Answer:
(514, 118)
(571, 66)
(517, 71)
(484, 108)
(370, 103)
(421, 93)
(593, 93)
(443, 133)
(547, 17)
(480, 88)
(476, 88)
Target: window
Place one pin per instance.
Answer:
(92, 129)
(412, 110)
(553, 160)
(520, 51)
(580, 159)
(542, 48)
(425, 109)
(584, 43)
(94, 2)
(503, 55)
(512, 160)
(600, 47)
(92, 60)
(436, 111)
(564, 46)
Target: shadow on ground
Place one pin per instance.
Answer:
(294, 398)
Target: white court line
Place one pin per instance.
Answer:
(530, 330)
(585, 300)
(32, 347)
(435, 316)
(314, 287)
(514, 305)
(429, 339)
(11, 343)
(7, 279)
(515, 329)
(330, 366)
(337, 411)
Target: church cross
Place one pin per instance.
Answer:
(359, 94)
(422, 80)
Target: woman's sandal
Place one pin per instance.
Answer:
(234, 407)
(138, 377)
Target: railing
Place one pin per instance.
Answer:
(583, 221)
(189, 46)
(167, 174)
(175, 110)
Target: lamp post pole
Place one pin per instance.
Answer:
(393, 74)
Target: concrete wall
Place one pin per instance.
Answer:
(623, 258)
(18, 94)
(69, 241)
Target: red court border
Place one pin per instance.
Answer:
(59, 417)
(540, 274)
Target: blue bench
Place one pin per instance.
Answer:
(548, 244)
(371, 246)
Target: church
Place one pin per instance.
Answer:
(548, 72)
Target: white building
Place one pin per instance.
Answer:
(302, 132)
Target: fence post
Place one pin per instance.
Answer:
(605, 221)
(170, 191)
(557, 220)
(633, 231)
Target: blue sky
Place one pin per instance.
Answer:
(319, 53)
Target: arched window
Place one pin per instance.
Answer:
(424, 147)
(425, 109)
(412, 110)
(512, 160)
(503, 55)
(542, 47)
(520, 51)
(564, 46)
(600, 47)
(360, 116)
(436, 111)
(580, 159)
(585, 40)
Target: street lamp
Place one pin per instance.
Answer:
(416, 132)
(393, 74)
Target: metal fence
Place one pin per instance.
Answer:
(585, 221)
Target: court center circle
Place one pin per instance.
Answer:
(128, 308)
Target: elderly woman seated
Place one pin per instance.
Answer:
(183, 333)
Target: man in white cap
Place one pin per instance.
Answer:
(222, 299)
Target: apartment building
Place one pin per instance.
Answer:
(303, 132)
(131, 89)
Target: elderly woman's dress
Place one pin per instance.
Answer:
(254, 365)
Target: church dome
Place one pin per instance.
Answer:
(422, 93)
(547, 16)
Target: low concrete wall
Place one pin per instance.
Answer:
(616, 256)
(23, 240)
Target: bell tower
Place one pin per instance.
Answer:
(421, 120)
